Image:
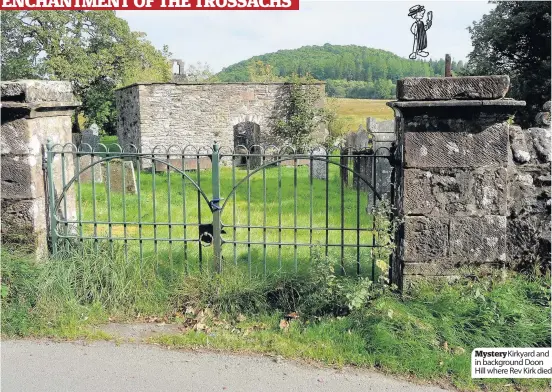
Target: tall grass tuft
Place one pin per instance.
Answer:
(98, 273)
(432, 330)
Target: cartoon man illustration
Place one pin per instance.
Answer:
(419, 29)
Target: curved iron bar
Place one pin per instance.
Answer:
(242, 148)
(121, 149)
(314, 158)
(101, 152)
(189, 146)
(51, 148)
(170, 148)
(294, 151)
(66, 187)
(159, 153)
(72, 147)
(222, 150)
(90, 149)
(208, 150)
(260, 147)
(136, 149)
(145, 149)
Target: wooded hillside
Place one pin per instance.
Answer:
(350, 71)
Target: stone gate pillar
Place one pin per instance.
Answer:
(451, 186)
(32, 112)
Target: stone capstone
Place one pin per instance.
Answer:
(466, 87)
(37, 91)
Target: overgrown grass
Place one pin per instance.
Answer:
(353, 112)
(427, 333)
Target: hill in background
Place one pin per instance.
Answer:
(350, 71)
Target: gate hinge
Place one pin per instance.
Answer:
(214, 204)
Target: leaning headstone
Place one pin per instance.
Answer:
(116, 182)
(362, 140)
(85, 159)
(88, 173)
(319, 167)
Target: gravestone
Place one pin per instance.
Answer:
(93, 172)
(89, 141)
(319, 167)
(116, 182)
(383, 138)
(85, 159)
(362, 160)
(91, 136)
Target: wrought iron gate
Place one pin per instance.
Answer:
(266, 209)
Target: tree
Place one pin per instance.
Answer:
(199, 73)
(514, 39)
(298, 117)
(94, 50)
(262, 73)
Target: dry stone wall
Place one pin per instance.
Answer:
(197, 114)
(529, 194)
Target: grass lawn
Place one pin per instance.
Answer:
(264, 210)
(353, 112)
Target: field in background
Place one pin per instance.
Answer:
(354, 111)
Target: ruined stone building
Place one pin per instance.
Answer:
(166, 114)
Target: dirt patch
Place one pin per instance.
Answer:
(139, 332)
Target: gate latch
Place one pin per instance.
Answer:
(214, 205)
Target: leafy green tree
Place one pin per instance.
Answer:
(262, 73)
(298, 116)
(95, 50)
(514, 39)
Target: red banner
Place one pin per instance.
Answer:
(150, 5)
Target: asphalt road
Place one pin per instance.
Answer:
(103, 366)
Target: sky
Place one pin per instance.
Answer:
(222, 38)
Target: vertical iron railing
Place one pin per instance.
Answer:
(281, 208)
(215, 208)
(52, 195)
